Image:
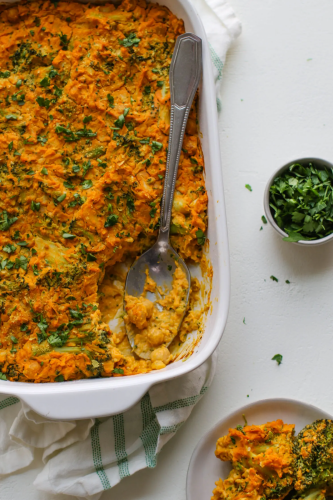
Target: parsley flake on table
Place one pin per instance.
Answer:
(278, 358)
(248, 187)
(301, 201)
(273, 278)
(263, 218)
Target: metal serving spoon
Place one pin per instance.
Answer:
(161, 258)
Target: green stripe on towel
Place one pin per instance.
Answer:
(217, 62)
(120, 447)
(170, 429)
(8, 402)
(150, 432)
(97, 456)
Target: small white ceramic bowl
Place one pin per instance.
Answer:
(205, 468)
(320, 163)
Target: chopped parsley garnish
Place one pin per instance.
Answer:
(120, 121)
(61, 198)
(278, 358)
(42, 325)
(87, 184)
(91, 257)
(35, 270)
(118, 370)
(248, 187)
(4, 74)
(6, 221)
(59, 337)
(35, 206)
(68, 236)
(87, 119)
(263, 218)
(72, 136)
(45, 82)
(43, 102)
(273, 278)
(201, 237)
(288, 282)
(68, 185)
(42, 139)
(111, 220)
(64, 42)
(130, 41)
(76, 169)
(130, 203)
(111, 100)
(44, 171)
(156, 146)
(9, 248)
(301, 200)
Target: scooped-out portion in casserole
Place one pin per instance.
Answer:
(84, 124)
(154, 324)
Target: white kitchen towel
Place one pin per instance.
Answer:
(222, 27)
(84, 458)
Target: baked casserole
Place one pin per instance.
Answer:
(84, 127)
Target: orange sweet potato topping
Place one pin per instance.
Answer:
(84, 125)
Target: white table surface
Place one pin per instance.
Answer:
(277, 106)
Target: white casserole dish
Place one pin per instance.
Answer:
(108, 396)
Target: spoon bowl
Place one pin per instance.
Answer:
(161, 261)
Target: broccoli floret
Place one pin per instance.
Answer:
(311, 494)
(314, 463)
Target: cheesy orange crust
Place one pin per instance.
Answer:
(84, 125)
(263, 461)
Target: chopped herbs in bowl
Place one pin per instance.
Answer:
(299, 201)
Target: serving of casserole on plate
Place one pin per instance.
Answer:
(248, 460)
(84, 133)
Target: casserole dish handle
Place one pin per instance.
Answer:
(94, 402)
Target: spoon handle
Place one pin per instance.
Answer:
(184, 76)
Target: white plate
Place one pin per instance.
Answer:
(205, 468)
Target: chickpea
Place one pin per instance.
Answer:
(157, 365)
(161, 354)
(156, 336)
